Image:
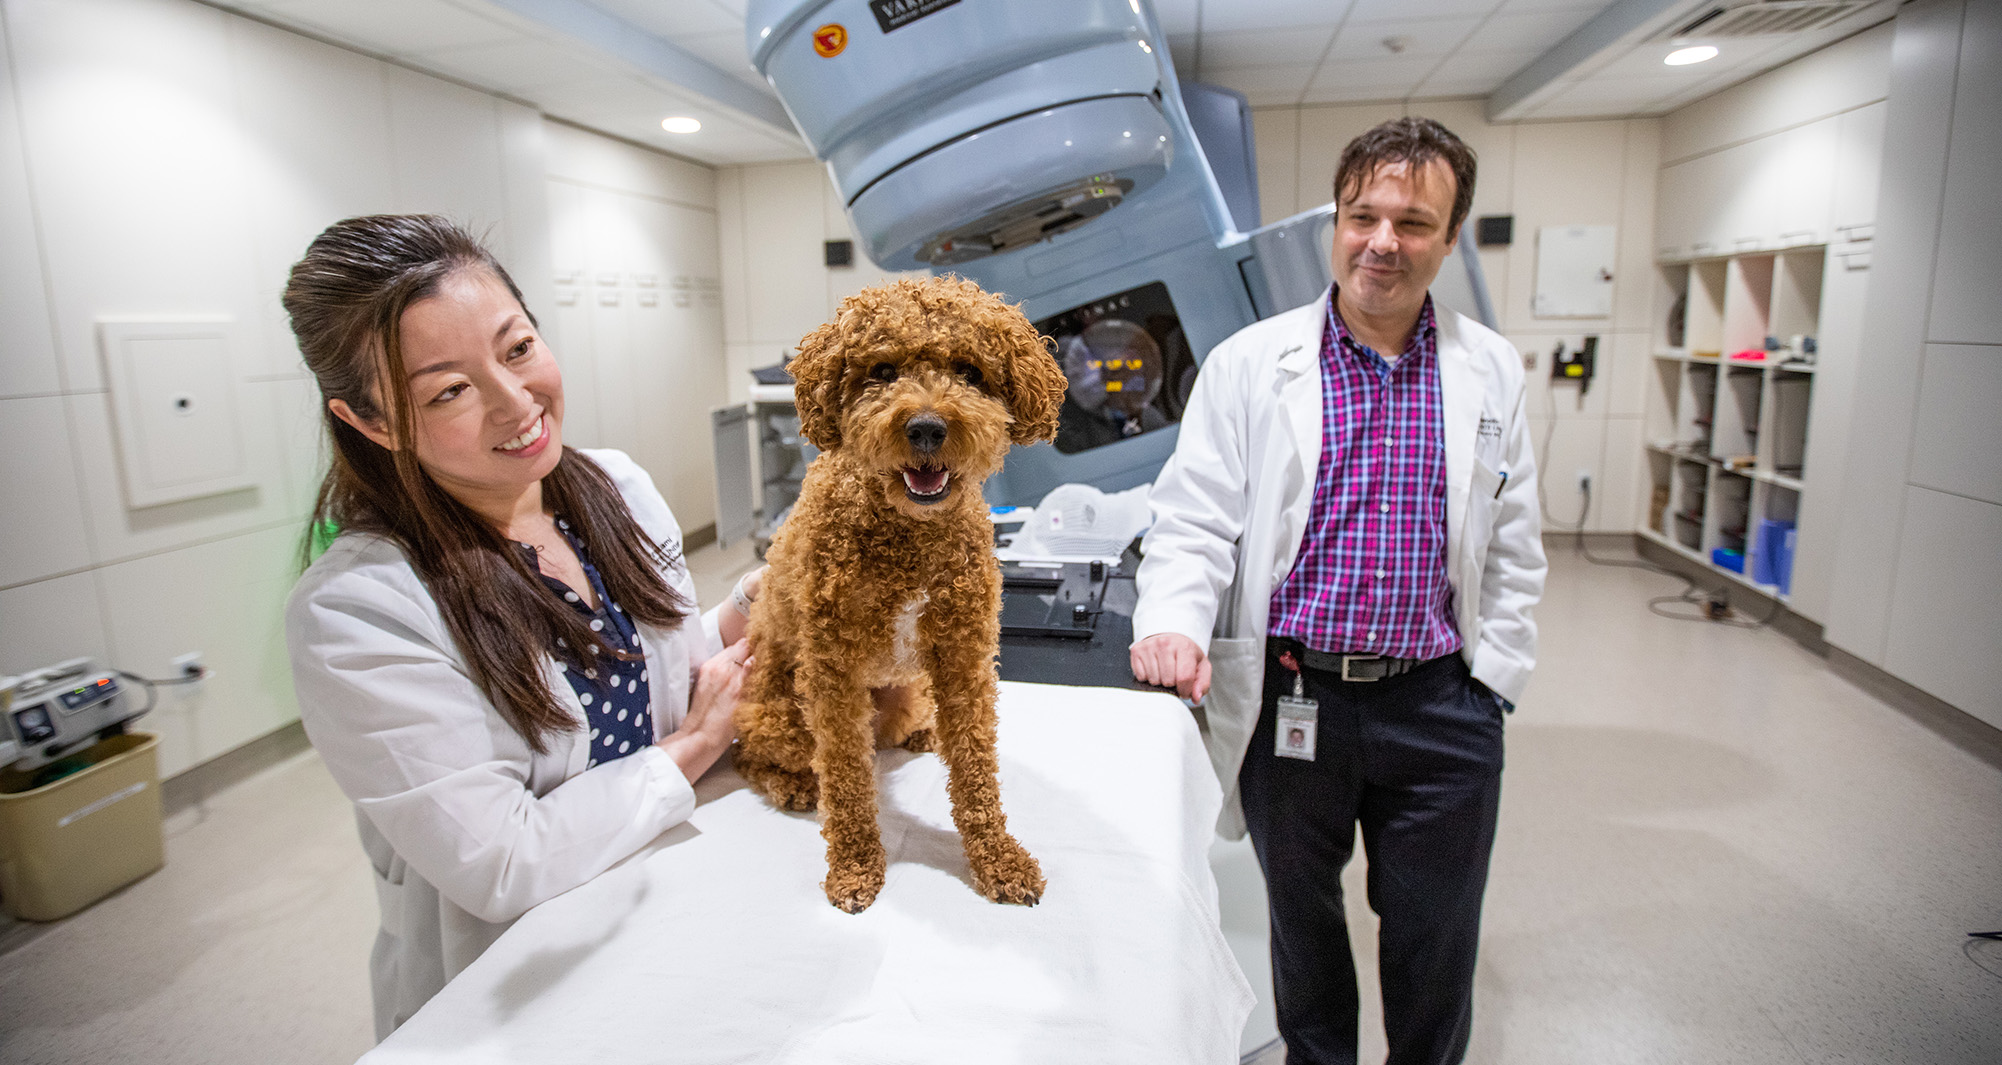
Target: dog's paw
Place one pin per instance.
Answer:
(1010, 875)
(919, 742)
(852, 890)
(797, 790)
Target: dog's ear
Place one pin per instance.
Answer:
(1036, 385)
(816, 375)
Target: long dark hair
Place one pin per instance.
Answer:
(346, 300)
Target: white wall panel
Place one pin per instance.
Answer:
(733, 260)
(1616, 490)
(225, 599)
(570, 312)
(42, 524)
(445, 142)
(315, 130)
(1633, 292)
(588, 159)
(303, 448)
(28, 352)
(1276, 134)
(48, 621)
(678, 369)
(1916, 135)
(1955, 447)
(1844, 296)
(1967, 277)
(1859, 146)
(1565, 173)
(137, 159)
(786, 293)
(1946, 613)
(118, 532)
(1564, 448)
(525, 191)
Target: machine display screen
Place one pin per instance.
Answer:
(1129, 366)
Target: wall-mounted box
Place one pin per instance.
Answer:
(174, 407)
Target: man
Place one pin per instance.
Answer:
(1346, 541)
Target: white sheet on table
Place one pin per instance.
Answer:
(716, 945)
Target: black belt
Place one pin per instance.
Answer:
(1349, 667)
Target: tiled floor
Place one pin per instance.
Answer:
(1712, 850)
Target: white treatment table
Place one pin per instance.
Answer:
(715, 944)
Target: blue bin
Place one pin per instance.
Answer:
(1772, 558)
(1728, 557)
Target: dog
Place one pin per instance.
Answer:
(879, 621)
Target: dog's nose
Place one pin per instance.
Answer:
(926, 432)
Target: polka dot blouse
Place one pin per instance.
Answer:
(614, 693)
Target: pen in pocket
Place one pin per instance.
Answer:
(1502, 485)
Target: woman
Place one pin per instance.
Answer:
(497, 658)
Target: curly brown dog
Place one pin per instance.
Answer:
(879, 621)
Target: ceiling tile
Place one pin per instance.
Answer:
(394, 27)
(1262, 79)
(1433, 37)
(1271, 14)
(1388, 78)
(674, 20)
(724, 51)
(1254, 48)
(521, 67)
(1439, 88)
(1384, 10)
(1492, 66)
(1517, 6)
(1529, 32)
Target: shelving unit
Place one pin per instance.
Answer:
(1728, 436)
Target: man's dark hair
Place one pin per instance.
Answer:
(1416, 141)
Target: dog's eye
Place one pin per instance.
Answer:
(883, 371)
(969, 373)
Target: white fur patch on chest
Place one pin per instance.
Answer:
(904, 637)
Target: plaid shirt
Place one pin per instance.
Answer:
(1371, 574)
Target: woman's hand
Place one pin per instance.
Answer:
(735, 621)
(712, 712)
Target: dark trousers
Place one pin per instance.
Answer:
(1417, 761)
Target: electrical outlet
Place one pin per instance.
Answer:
(190, 665)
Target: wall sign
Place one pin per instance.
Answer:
(896, 14)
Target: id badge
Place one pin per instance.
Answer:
(1298, 717)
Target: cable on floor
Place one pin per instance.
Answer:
(1690, 587)
(1985, 950)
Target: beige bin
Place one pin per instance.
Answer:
(70, 843)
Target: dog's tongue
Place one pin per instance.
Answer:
(926, 481)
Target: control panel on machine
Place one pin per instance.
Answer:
(63, 707)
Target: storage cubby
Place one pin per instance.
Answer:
(1734, 434)
(1796, 302)
(1704, 320)
(1785, 437)
(1688, 500)
(1727, 437)
(1748, 297)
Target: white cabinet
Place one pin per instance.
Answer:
(1774, 192)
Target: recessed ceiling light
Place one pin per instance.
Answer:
(1682, 57)
(680, 124)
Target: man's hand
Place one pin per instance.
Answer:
(1172, 660)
